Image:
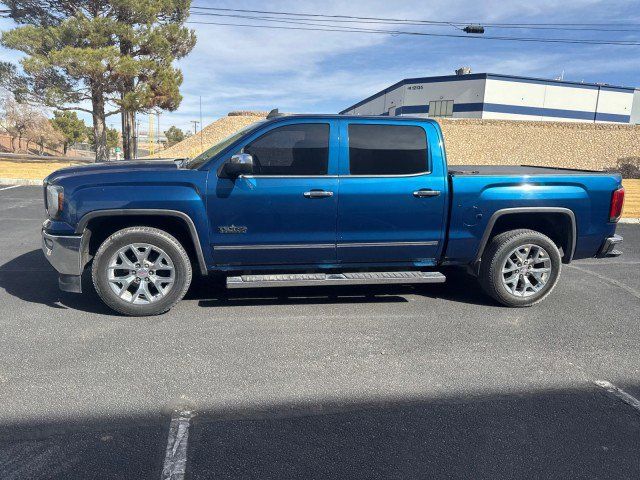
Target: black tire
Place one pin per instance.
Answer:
(154, 237)
(495, 256)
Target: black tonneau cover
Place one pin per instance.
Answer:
(516, 170)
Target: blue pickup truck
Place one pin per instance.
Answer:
(323, 200)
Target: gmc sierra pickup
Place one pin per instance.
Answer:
(323, 200)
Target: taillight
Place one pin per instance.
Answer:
(617, 202)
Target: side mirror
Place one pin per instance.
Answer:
(240, 164)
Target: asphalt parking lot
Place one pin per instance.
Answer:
(434, 381)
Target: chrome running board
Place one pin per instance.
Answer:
(319, 279)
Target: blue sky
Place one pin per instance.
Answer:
(234, 68)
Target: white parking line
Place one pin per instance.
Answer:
(618, 392)
(9, 188)
(610, 280)
(175, 459)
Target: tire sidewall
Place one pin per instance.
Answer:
(499, 258)
(124, 238)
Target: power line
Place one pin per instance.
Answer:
(322, 20)
(303, 21)
(326, 28)
(383, 21)
(429, 22)
(425, 23)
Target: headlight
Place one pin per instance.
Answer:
(55, 200)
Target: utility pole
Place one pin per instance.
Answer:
(151, 136)
(159, 143)
(195, 126)
(136, 135)
(201, 147)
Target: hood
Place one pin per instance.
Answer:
(111, 167)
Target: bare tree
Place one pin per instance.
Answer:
(44, 135)
(22, 121)
(17, 120)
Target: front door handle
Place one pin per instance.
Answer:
(317, 194)
(426, 192)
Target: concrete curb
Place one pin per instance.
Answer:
(630, 220)
(20, 158)
(20, 181)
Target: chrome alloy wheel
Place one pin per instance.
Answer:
(141, 273)
(526, 270)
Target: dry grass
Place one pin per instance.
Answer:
(30, 171)
(632, 198)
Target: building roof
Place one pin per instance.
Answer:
(340, 116)
(486, 76)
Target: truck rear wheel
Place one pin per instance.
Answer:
(520, 268)
(141, 271)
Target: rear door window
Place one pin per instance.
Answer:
(387, 149)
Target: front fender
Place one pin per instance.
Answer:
(169, 193)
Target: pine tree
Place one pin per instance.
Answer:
(115, 54)
(113, 138)
(174, 135)
(152, 35)
(70, 126)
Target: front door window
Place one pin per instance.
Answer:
(301, 149)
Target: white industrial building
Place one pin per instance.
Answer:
(506, 97)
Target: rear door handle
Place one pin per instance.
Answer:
(317, 194)
(426, 192)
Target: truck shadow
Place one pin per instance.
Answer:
(30, 278)
(577, 432)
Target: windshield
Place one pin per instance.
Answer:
(220, 146)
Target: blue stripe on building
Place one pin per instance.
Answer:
(459, 107)
(612, 117)
(555, 112)
(538, 111)
(467, 107)
(409, 109)
(519, 110)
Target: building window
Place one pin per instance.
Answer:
(441, 108)
(387, 149)
(299, 149)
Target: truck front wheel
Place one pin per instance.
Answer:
(519, 268)
(141, 271)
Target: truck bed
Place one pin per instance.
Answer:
(502, 170)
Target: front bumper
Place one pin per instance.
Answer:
(608, 248)
(65, 254)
